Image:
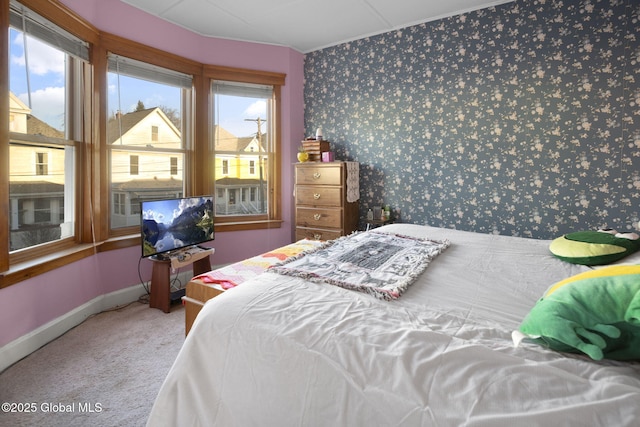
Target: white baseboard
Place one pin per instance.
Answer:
(27, 344)
(30, 342)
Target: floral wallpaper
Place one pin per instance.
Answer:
(521, 119)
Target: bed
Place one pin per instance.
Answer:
(285, 350)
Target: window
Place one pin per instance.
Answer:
(244, 147)
(174, 166)
(133, 165)
(46, 83)
(119, 204)
(148, 133)
(42, 164)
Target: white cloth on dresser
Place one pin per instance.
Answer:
(353, 181)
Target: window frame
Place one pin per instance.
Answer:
(112, 44)
(141, 69)
(273, 218)
(15, 267)
(78, 103)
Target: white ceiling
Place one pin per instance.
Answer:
(304, 25)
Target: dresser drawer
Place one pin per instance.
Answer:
(316, 234)
(319, 175)
(318, 196)
(322, 218)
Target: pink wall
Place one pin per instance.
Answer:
(30, 304)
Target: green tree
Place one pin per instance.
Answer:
(140, 106)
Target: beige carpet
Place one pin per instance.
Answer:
(105, 372)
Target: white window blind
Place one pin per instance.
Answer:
(34, 25)
(248, 90)
(142, 70)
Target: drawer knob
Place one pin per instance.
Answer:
(316, 196)
(316, 175)
(317, 236)
(317, 217)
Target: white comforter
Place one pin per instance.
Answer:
(279, 351)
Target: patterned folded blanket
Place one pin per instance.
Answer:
(234, 274)
(381, 264)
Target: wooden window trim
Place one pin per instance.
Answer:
(68, 21)
(211, 73)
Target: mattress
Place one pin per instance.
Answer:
(281, 350)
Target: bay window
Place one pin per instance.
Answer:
(95, 124)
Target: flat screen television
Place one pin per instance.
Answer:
(172, 224)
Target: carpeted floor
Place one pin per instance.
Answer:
(105, 372)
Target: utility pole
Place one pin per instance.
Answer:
(259, 122)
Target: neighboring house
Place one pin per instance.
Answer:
(141, 170)
(240, 177)
(36, 189)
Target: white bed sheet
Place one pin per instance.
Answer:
(278, 350)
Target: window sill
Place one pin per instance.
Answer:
(36, 266)
(247, 225)
(40, 265)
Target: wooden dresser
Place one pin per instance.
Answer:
(322, 210)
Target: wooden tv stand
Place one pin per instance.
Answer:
(160, 293)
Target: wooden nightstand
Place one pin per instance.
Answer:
(375, 223)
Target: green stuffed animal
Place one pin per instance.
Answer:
(595, 247)
(596, 312)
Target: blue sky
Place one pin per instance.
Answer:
(46, 78)
(165, 211)
(47, 75)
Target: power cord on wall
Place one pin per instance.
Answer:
(144, 299)
(145, 285)
(174, 285)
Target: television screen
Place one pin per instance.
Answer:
(173, 224)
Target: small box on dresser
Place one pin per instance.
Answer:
(322, 209)
(315, 149)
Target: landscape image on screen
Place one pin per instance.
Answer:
(173, 224)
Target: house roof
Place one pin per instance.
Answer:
(35, 126)
(146, 185)
(16, 104)
(32, 189)
(237, 182)
(226, 141)
(128, 121)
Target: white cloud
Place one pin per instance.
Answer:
(257, 109)
(43, 59)
(47, 105)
